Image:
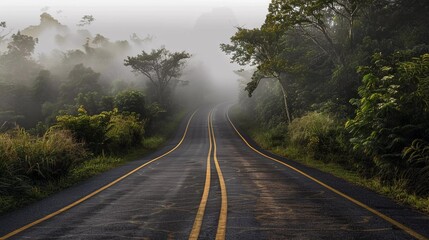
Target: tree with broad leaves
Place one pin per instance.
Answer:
(162, 68)
(320, 21)
(271, 52)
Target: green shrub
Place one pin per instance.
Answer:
(317, 134)
(131, 102)
(124, 132)
(90, 129)
(108, 131)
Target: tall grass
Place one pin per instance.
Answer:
(417, 173)
(305, 129)
(25, 158)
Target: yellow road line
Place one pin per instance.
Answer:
(372, 210)
(221, 227)
(98, 190)
(201, 209)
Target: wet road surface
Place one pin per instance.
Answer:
(247, 196)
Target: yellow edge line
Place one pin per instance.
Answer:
(221, 227)
(196, 228)
(98, 190)
(381, 215)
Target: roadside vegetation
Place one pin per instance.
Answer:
(342, 86)
(67, 115)
(34, 167)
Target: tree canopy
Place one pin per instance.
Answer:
(363, 63)
(162, 68)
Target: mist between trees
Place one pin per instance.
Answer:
(83, 96)
(80, 68)
(342, 81)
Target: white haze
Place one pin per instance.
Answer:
(195, 26)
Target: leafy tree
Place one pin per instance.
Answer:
(275, 54)
(73, 57)
(335, 28)
(131, 102)
(319, 20)
(21, 45)
(138, 40)
(90, 101)
(26, 111)
(100, 40)
(2, 30)
(107, 103)
(80, 80)
(44, 89)
(161, 67)
(16, 64)
(17, 72)
(86, 20)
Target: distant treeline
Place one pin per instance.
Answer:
(64, 113)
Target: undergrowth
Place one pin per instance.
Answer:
(327, 163)
(32, 168)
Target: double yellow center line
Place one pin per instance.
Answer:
(221, 228)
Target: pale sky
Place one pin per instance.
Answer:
(197, 26)
(19, 13)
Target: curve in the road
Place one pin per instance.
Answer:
(408, 230)
(100, 189)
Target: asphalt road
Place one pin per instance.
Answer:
(240, 194)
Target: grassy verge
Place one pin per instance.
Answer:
(395, 191)
(92, 167)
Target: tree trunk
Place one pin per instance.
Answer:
(351, 32)
(161, 97)
(285, 101)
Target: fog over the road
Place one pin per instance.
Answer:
(195, 26)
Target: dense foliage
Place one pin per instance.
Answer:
(392, 112)
(350, 82)
(108, 131)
